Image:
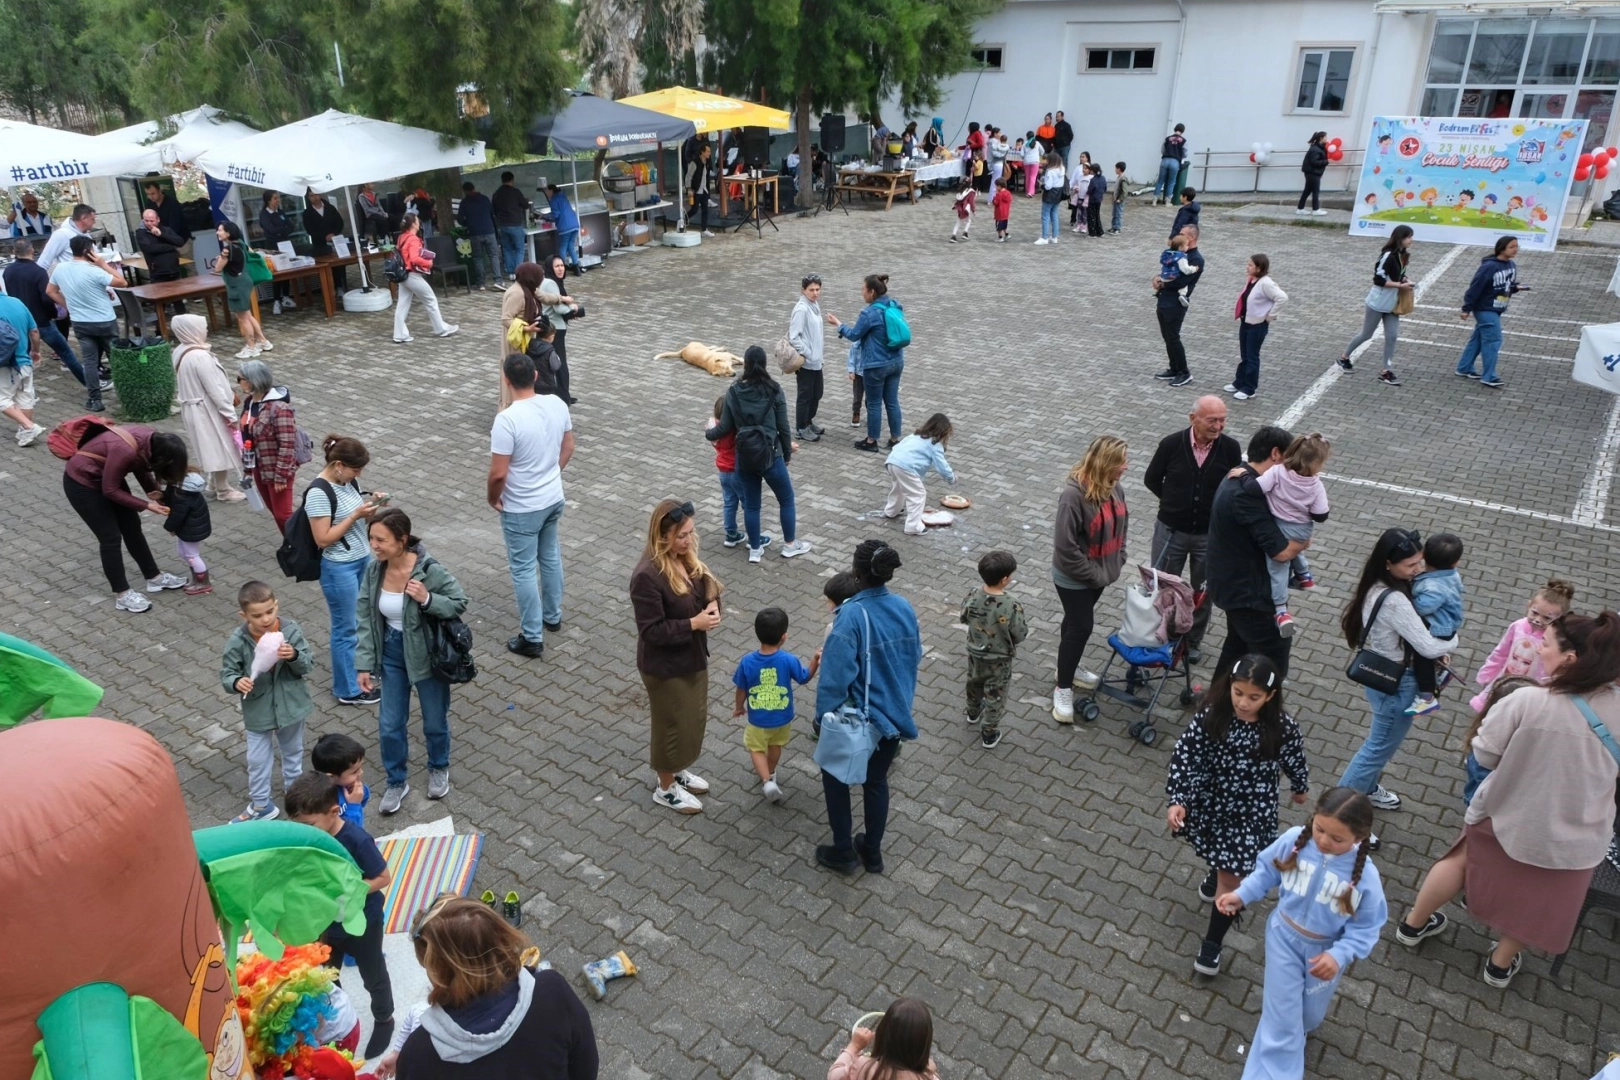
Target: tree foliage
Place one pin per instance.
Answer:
(63, 68)
(630, 45)
(408, 61)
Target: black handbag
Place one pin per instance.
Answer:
(1372, 669)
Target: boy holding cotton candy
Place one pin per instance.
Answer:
(265, 661)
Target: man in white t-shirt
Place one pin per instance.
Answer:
(529, 446)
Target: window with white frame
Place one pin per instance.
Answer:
(987, 57)
(1141, 59)
(1324, 79)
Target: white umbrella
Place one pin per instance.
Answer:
(196, 131)
(35, 155)
(336, 150)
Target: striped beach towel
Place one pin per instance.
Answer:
(423, 867)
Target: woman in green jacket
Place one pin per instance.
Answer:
(402, 587)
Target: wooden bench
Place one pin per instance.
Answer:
(883, 185)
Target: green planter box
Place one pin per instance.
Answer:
(143, 375)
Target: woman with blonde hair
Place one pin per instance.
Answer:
(677, 602)
(524, 302)
(1088, 550)
(207, 406)
(491, 1012)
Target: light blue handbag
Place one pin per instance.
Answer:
(848, 735)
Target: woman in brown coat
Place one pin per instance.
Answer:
(677, 603)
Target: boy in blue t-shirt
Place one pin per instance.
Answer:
(344, 760)
(764, 681)
(314, 800)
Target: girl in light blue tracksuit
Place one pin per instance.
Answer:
(1330, 909)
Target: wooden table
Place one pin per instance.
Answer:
(885, 185)
(204, 287)
(750, 186)
(138, 262)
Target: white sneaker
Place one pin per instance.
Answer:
(692, 782)
(1229, 388)
(288, 304)
(403, 340)
(231, 495)
(1384, 799)
(264, 346)
(165, 581)
(248, 352)
(132, 601)
(1319, 213)
(1302, 213)
(275, 308)
(1063, 705)
(755, 553)
(1087, 679)
(447, 331)
(771, 791)
(677, 799)
(1041, 241)
(706, 232)
(798, 547)
(1241, 396)
(26, 436)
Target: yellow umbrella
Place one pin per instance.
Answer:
(709, 111)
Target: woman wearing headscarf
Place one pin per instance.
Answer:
(207, 406)
(561, 307)
(269, 438)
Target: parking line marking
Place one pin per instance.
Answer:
(1594, 500)
(1484, 504)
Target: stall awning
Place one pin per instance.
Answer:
(710, 112)
(335, 150)
(30, 154)
(195, 132)
(589, 122)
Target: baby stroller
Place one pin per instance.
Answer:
(1152, 646)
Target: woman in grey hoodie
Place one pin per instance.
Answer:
(804, 334)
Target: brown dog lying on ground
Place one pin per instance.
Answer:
(714, 361)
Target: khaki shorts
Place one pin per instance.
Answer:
(759, 739)
(17, 386)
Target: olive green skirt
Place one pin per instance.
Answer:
(238, 292)
(680, 709)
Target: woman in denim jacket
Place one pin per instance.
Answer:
(878, 364)
(878, 630)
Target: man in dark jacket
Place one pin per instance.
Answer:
(26, 280)
(1243, 535)
(169, 213)
(1184, 474)
(511, 208)
(477, 215)
(1172, 309)
(322, 221)
(1314, 165)
(161, 246)
(1063, 138)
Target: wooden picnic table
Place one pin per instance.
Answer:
(204, 287)
(884, 185)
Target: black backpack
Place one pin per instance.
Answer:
(299, 555)
(394, 269)
(756, 443)
(450, 644)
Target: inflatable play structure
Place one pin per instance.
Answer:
(119, 932)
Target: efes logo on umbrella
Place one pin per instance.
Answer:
(60, 170)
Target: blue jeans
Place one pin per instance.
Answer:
(513, 242)
(777, 477)
(1119, 216)
(1165, 186)
(1485, 342)
(486, 254)
(532, 542)
(731, 497)
(394, 717)
(1476, 774)
(1250, 337)
(882, 386)
(1390, 723)
(340, 584)
(1049, 219)
(51, 336)
(568, 246)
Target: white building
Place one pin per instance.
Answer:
(1237, 72)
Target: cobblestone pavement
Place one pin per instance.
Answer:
(1032, 895)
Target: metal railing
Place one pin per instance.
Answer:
(1232, 171)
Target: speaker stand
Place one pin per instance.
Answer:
(758, 218)
(830, 195)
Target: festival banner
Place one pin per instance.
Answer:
(1467, 181)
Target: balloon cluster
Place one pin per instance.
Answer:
(1259, 152)
(1596, 164)
(1334, 148)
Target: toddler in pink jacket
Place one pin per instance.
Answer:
(1518, 651)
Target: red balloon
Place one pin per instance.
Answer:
(1613, 151)
(1583, 161)
(1580, 173)
(1251, 157)
(1335, 154)
(1602, 172)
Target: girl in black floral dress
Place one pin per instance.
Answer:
(1223, 783)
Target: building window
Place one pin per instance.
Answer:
(987, 57)
(1138, 58)
(1324, 80)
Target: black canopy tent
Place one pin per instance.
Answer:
(591, 123)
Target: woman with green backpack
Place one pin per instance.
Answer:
(881, 333)
(231, 265)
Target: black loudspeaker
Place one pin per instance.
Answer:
(832, 133)
(756, 147)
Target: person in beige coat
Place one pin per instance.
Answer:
(207, 407)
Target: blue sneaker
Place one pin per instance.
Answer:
(268, 812)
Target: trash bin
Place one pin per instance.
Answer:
(143, 375)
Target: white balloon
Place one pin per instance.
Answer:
(1255, 147)
(1266, 147)
(1260, 157)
